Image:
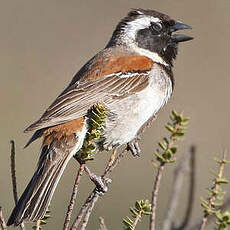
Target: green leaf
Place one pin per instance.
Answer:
(173, 149)
(162, 145)
(138, 205)
(174, 113)
(178, 133)
(170, 128)
(134, 212)
(222, 181)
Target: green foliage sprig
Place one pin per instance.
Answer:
(95, 131)
(176, 127)
(212, 205)
(142, 207)
(223, 220)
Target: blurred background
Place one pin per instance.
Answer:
(44, 43)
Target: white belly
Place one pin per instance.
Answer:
(134, 111)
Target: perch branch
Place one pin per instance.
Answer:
(73, 197)
(93, 197)
(89, 211)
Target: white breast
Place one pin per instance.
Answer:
(154, 96)
(134, 111)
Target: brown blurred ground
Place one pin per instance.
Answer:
(43, 43)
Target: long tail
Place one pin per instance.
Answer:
(36, 198)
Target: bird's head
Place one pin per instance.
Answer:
(150, 33)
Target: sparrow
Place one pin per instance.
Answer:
(131, 77)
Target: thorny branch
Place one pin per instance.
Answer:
(164, 155)
(13, 176)
(13, 171)
(89, 211)
(212, 198)
(114, 160)
(195, 225)
(137, 219)
(87, 207)
(155, 191)
(73, 197)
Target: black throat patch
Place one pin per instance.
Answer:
(160, 44)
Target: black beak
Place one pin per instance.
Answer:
(180, 37)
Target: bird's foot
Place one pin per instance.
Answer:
(100, 183)
(134, 148)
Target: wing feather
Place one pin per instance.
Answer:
(89, 87)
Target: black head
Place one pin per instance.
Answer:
(150, 31)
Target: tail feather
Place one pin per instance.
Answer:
(36, 198)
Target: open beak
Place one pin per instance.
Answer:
(180, 37)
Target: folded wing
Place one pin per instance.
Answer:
(99, 83)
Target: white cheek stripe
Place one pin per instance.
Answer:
(152, 55)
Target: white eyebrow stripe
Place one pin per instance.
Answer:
(141, 22)
(153, 19)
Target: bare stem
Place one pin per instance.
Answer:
(13, 171)
(81, 212)
(155, 196)
(13, 176)
(73, 197)
(93, 197)
(2, 220)
(89, 211)
(102, 224)
(137, 218)
(165, 155)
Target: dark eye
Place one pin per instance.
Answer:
(156, 27)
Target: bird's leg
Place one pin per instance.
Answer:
(134, 148)
(100, 184)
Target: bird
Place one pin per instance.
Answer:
(131, 77)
